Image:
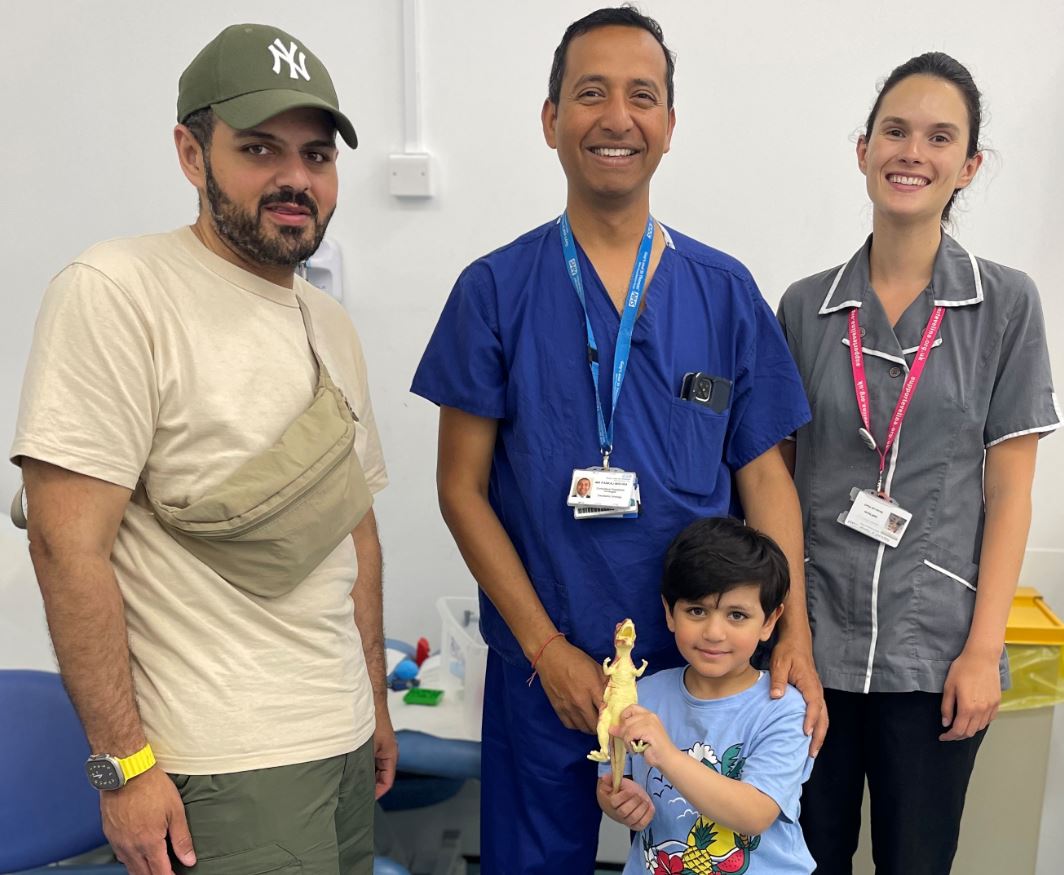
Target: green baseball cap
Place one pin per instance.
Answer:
(252, 72)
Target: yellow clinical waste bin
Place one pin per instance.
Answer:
(1035, 641)
(1003, 811)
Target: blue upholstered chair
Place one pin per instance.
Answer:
(48, 811)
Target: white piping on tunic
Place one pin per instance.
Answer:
(914, 349)
(1039, 430)
(978, 299)
(824, 308)
(886, 355)
(875, 572)
(877, 353)
(978, 287)
(875, 618)
(949, 574)
(976, 276)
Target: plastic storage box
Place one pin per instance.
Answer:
(463, 656)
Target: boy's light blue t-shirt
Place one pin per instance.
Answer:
(749, 737)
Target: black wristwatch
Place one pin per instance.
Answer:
(108, 772)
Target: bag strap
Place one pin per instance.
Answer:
(308, 326)
(324, 377)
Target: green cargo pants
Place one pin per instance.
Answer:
(313, 818)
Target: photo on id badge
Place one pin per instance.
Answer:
(600, 487)
(876, 516)
(581, 490)
(895, 524)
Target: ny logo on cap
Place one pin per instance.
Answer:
(280, 53)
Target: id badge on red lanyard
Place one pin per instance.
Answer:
(873, 512)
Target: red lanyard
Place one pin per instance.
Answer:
(908, 389)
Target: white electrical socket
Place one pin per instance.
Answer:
(409, 175)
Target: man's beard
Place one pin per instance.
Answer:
(245, 234)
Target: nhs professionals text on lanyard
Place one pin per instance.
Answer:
(607, 492)
(874, 513)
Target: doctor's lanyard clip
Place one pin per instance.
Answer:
(908, 389)
(636, 287)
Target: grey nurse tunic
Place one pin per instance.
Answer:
(893, 619)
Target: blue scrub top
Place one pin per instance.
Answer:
(511, 345)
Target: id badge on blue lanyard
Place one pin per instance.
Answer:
(607, 492)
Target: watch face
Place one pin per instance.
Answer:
(104, 773)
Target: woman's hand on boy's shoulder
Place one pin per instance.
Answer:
(789, 710)
(792, 663)
(630, 805)
(790, 697)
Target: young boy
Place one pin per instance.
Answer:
(717, 788)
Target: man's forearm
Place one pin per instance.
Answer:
(88, 628)
(490, 555)
(465, 459)
(770, 503)
(368, 597)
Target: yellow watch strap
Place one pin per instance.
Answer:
(138, 763)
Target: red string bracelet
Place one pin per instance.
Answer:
(543, 647)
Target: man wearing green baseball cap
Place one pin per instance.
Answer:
(249, 73)
(238, 722)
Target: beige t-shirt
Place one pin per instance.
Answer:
(154, 358)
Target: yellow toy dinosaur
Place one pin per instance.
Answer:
(620, 693)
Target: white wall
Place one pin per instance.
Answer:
(769, 96)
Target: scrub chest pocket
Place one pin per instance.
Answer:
(695, 446)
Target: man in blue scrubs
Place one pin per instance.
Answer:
(556, 354)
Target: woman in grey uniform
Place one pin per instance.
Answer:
(928, 376)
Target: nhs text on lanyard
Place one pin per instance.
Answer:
(873, 512)
(607, 492)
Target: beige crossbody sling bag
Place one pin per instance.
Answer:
(268, 525)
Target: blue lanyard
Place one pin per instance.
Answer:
(636, 286)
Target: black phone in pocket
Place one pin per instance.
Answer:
(709, 391)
